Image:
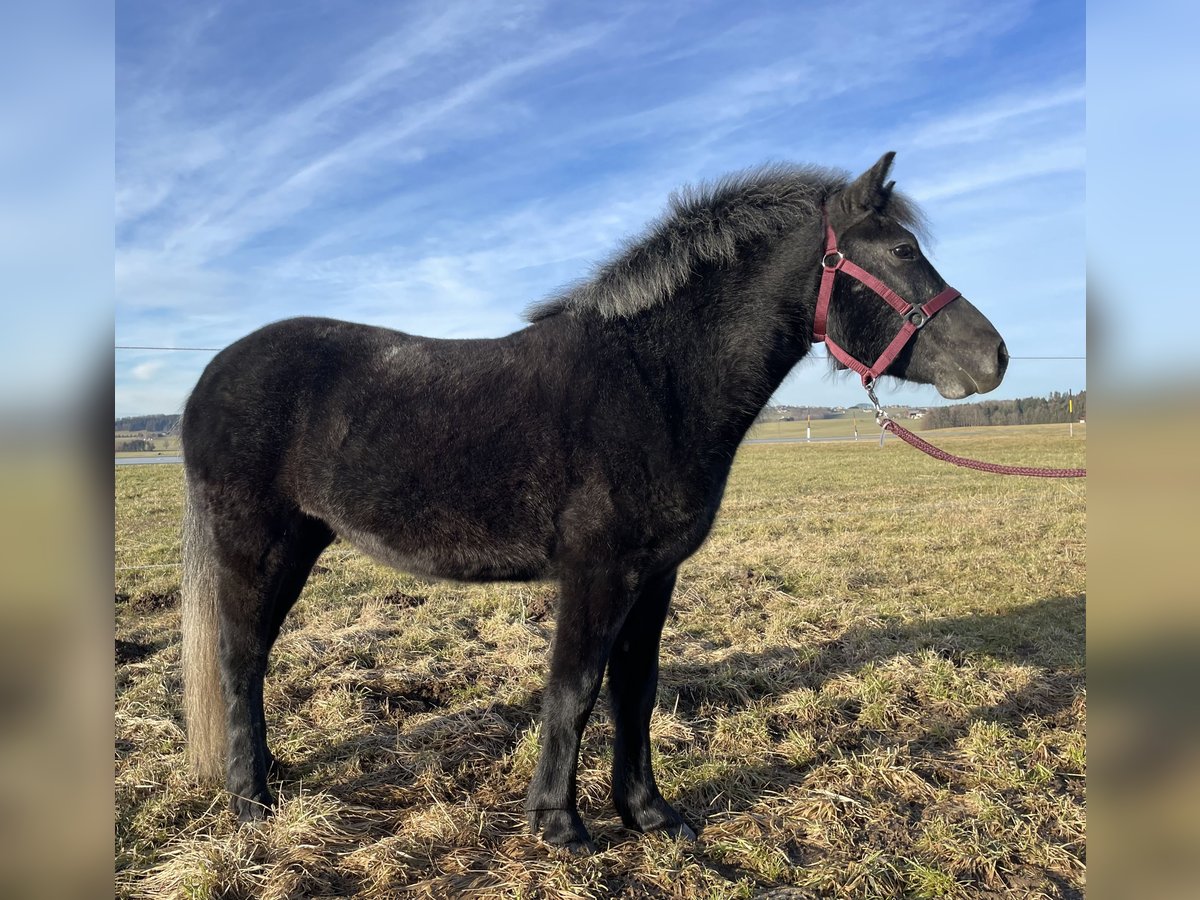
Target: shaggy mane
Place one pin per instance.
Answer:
(706, 224)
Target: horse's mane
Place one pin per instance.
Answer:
(707, 224)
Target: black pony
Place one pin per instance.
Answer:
(591, 447)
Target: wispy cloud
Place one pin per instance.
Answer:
(1051, 158)
(146, 370)
(996, 117)
(438, 167)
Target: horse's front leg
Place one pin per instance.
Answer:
(632, 684)
(592, 608)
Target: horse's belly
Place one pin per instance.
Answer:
(463, 529)
(469, 557)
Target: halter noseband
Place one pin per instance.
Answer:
(913, 317)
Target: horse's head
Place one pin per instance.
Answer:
(957, 350)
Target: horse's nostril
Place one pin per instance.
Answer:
(1001, 359)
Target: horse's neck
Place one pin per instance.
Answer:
(759, 329)
(733, 340)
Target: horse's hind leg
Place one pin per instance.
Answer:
(257, 583)
(632, 684)
(304, 545)
(592, 608)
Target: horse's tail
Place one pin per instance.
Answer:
(203, 698)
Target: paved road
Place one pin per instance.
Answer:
(146, 460)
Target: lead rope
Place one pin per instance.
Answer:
(887, 423)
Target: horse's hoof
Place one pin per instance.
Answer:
(658, 818)
(679, 829)
(579, 848)
(253, 809)
(674, 827)
(562, 829)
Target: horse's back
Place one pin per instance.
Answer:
(436, 456)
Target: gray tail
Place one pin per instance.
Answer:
(203, 698)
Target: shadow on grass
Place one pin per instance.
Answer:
(1048, 634)
(392, 757)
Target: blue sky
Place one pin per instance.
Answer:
(437, 167)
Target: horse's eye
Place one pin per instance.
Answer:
(904, 251)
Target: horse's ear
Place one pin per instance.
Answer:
(868, 193)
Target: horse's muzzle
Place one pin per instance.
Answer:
(993, 373)
(978, 374)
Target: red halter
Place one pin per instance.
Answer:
(913, 317)
(913, 320)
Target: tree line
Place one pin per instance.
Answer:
(162, 422)
(134, 445)
(1025, 411)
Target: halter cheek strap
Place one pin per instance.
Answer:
(913, 318)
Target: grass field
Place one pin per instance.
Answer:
(844, 426)
(872, 686)
(164, 445)
(841, 426)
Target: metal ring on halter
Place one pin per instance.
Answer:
(836, 255)
(917, 319)
(869, 386)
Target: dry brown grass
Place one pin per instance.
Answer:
(873, 686)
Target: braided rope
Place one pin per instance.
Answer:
(925, 447)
